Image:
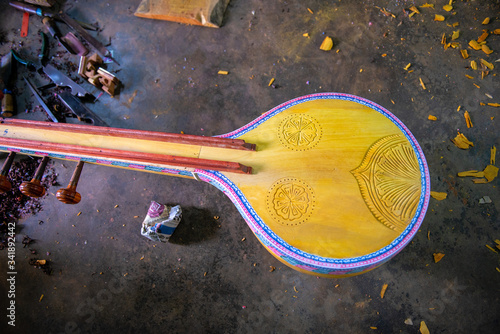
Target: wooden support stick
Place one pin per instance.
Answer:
(237, 144)
(127, 156)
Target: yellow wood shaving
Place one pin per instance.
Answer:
(469, 77)
(473, 64)
(464, 54)
(491, 248)
(422, 83)
(41, 297)
(448, 8)
(423, 328)
(475, 45)
(407, 66)
(306, 35)
(438, 257)
(479, 181)
(310, 11)
(471, 173)
(271, 82)
(490, 172)
(414, 9)
(455, 35)
(494, 104)
(432, 118)
(486, 49)
(462, 142)
(327, 44)
(496, 31)
(483, 36)
(438, 17)
(427, 5)
(223, 72)
(486, 20)
(493, 153)
(477, 85)
(443, 39)
(468, 121)
(438, 195)
(384, 289)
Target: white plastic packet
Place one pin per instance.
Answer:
(161, 221)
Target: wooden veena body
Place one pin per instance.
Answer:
(336, 186)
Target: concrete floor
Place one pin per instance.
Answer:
(108, 278)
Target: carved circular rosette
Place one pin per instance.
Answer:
(290, 201)
(299, 132)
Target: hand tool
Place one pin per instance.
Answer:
(41, 101)
(7, 100)
(62, 80)
(83, 113)
(72, 23)
(44, 12)
(101, 49)
(54, 32)
(44, 53)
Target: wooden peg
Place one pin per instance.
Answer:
(33, 188)
(69, 195)
(4, 181)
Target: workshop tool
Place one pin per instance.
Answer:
(61, 80)
(25, 24)
(91, 69)
(83, 113)
(58, 78)
(40, 100)
(6, 77)
(337, 186)
(100, 48)
(26, 7)
(70, 43)
(32, 66)
(73, 103)
(43, 56)
(73, 24)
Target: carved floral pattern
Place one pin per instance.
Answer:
(290, 201)
(299, 132)
(389, 180)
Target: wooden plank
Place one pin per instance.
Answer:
(208, 13)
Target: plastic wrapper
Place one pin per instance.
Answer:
(161, 221)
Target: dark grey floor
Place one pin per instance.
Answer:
(108, 278)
